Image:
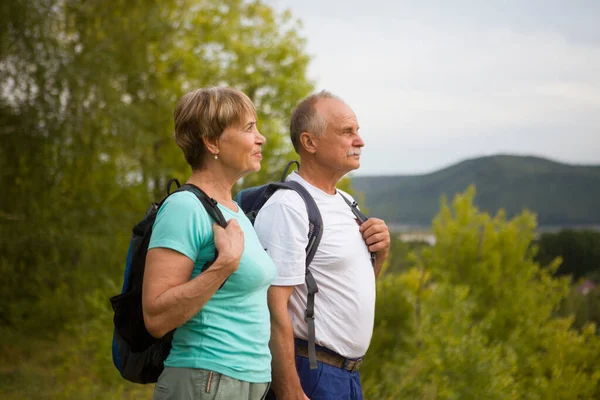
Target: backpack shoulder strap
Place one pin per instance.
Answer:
(287, 168)
(315, 232)
(354, 207)
(359, 216)
(315, 222)
(209, 204)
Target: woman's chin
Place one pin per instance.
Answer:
(254, 168)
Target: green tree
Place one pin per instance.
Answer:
(484, 317)
(87, 122)
(88, 91)
(584, 307)
(579, 255)
(578, 250)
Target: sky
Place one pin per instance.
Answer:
(436, 82)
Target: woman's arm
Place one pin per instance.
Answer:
(169, 297)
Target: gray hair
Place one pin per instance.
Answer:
(306, 118)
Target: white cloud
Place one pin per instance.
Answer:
(420, 82)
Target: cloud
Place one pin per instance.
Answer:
(419, 77)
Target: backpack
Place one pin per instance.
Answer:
(251, 200)
(137, 355)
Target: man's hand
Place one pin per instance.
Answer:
(377, 237)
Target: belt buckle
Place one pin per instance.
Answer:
(357, 364)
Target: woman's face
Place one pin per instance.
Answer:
(240, 147)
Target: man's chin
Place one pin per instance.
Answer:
(353, 165)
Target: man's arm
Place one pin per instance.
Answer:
(286, 383)
(377, 237)
(282, 228)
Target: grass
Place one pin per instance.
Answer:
(68, 367)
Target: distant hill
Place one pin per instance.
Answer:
(559, 194)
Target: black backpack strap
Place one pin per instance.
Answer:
(359, 216)
(287, 168)
(210, 205)
(315, 232)
(315, 222)
(171, 181)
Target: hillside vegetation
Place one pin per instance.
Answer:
(559, 194)
(86, 143)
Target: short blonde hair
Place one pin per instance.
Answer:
(207, 112)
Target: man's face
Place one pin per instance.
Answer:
(340, 146)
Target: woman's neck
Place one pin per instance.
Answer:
(215, 184)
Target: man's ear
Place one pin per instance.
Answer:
(309, 142)
(212, 144)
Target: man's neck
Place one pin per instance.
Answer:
(319, 177)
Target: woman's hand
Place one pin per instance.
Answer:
(230, 244)
(170, 297)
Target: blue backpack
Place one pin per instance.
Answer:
(137, 355)
(251, 200)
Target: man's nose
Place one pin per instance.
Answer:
(358, 142)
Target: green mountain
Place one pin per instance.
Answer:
(559, 194)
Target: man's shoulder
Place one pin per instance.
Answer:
(288, 198)
(285, 209)
(282, 205)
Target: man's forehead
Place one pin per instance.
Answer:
(334, 108)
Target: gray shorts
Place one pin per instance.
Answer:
(200, 384)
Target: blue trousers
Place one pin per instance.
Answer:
(328, 382)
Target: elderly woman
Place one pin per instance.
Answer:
(220, 345)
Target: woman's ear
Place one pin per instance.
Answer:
(309, 142)
(212, 144)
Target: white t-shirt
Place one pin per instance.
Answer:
(345, 302)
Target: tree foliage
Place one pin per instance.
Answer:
(482, 320)
(579, 252)
(88, 91)
(86, 115)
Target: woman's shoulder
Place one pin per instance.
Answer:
(183, 203)
(182, 198)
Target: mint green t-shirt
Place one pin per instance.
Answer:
(230, 335)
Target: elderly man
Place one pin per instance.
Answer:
(324, 132)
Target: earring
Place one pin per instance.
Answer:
(216, 156)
